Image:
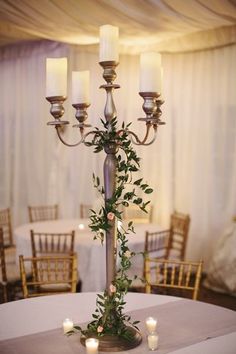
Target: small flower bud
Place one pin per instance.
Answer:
(110, 216)
(99, 329)
(112, 288)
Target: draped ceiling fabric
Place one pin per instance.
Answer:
(191, 166)
(163, 25)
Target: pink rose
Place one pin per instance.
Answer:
(99, 329)
(127, 254)
(110, 216)
(112, 288)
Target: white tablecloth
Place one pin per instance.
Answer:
(31, 316)
(91, 254)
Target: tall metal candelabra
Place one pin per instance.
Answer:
(151, 107)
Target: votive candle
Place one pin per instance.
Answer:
(56, 77)
(151, 324)
(80, 86)
(109, 43)
(153, 341)
(91, 345)
(150, 72)
(67, 325)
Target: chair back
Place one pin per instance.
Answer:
(43, 213)
(5, 224)
(135, 214)
(45, 244)
(172, 274)
(3, 274)
(179, 228)
(85, 211)
(50, 275)
(156, 243)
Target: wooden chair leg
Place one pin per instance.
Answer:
(5, 297)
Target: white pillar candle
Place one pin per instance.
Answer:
(67, 325)
(56, 77)
(80, 86)
(150, 72)
(109, 43)
(91, 345)
(153, 341)
(151, 324)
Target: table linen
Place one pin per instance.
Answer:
(181, 324)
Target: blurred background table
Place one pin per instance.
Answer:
(91, 254)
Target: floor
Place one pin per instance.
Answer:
(212, 297)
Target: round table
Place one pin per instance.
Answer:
(30, 325)
(91, 254)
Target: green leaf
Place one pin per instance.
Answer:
(138, 181)
(137, 201)
(149, 190)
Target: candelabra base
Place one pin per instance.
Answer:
(113, 343)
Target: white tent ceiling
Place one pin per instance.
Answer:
(164, 25)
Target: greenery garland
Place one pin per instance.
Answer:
(108, 317)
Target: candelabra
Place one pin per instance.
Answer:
(151, 107)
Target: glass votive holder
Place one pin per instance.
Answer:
(67, 325)
(91, 345)
(151, 324)
(153, 341)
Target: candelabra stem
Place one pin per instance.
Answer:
(110, 109)
(109, 170)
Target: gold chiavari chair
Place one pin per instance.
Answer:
(9, 272)
(85, 210)
(172, 274)
(43, 213)
(6, 225)
(50, 275)
(135, 214)
(3, 275)
(44, 244)
(169, 243)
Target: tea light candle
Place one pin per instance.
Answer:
(67, 325)
(153, 341)
(151, 324)
(91, 345)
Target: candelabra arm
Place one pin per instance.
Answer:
(95, 133)
(135, 139)
(64, 142)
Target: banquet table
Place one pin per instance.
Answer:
(91, 254)
(34, 326)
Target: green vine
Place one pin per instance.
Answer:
(108, 317)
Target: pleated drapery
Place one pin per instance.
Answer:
(191, 166)
(159, 25)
